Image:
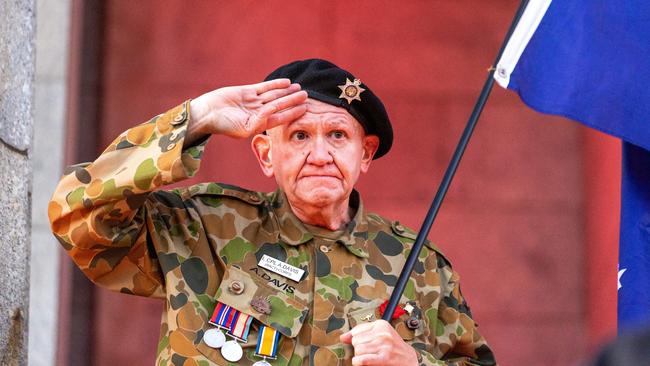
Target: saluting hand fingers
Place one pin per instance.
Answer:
(287, 101)
(265, 86)
(271, 95)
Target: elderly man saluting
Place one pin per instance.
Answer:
(293, 277)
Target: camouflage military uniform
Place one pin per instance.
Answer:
(189, 246)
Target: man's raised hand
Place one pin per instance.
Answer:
(243, 111)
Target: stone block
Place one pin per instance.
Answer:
(17, 25)
(14, 254)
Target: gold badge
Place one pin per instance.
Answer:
(351, 90)
(367, 317)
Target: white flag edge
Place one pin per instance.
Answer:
(528, 23)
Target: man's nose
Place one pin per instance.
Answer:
(320, 153)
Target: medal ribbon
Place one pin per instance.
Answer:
(267, 342)
(223, 316)
(237, 323)
(241, 326)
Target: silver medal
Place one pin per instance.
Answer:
(214, 338)
(261, 363)
(232, 351)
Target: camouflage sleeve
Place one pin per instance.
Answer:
(452, 331)
(97, 211)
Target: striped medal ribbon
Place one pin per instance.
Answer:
(238, 326)
(241, 325)
(221, 318)
(267, 345)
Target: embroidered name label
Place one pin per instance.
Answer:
(273, 281)
(281, 268)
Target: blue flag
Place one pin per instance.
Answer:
(589, 61)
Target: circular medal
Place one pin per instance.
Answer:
(232, 351)
(262, 363)
(214, 338)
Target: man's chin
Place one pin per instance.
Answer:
(320, 197)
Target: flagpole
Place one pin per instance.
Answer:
(449, 174)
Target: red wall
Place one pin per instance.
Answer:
(515, 218)
(602, 185)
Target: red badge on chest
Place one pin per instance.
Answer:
(399, 311)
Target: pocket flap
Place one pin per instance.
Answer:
(371, 312)
(366, 314)
(238, 289)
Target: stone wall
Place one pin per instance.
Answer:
(17, 29)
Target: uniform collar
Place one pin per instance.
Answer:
(354, 236)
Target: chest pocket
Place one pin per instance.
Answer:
(244, 292)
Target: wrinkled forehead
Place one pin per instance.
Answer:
(322, 113)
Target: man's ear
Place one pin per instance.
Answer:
(261, 145)
(370, 146)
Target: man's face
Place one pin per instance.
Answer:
(317, 159)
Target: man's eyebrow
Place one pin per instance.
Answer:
(339, 121)
(330, 122)
(342, 122)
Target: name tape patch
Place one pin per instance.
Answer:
(281, 268)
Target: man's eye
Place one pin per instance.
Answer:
(299, 135)
(338, 134)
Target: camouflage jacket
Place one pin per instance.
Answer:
(188, 246)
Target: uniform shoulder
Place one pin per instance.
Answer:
(406, 234)
(221, 190)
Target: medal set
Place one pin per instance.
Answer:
(237, 325)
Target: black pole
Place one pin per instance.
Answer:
(449, 175)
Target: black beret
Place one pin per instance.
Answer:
(324, 81)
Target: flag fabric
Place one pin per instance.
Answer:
(634, 253)
(589, 60)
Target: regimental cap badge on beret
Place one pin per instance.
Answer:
(351, 90)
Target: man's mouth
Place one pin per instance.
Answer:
(320, 175)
